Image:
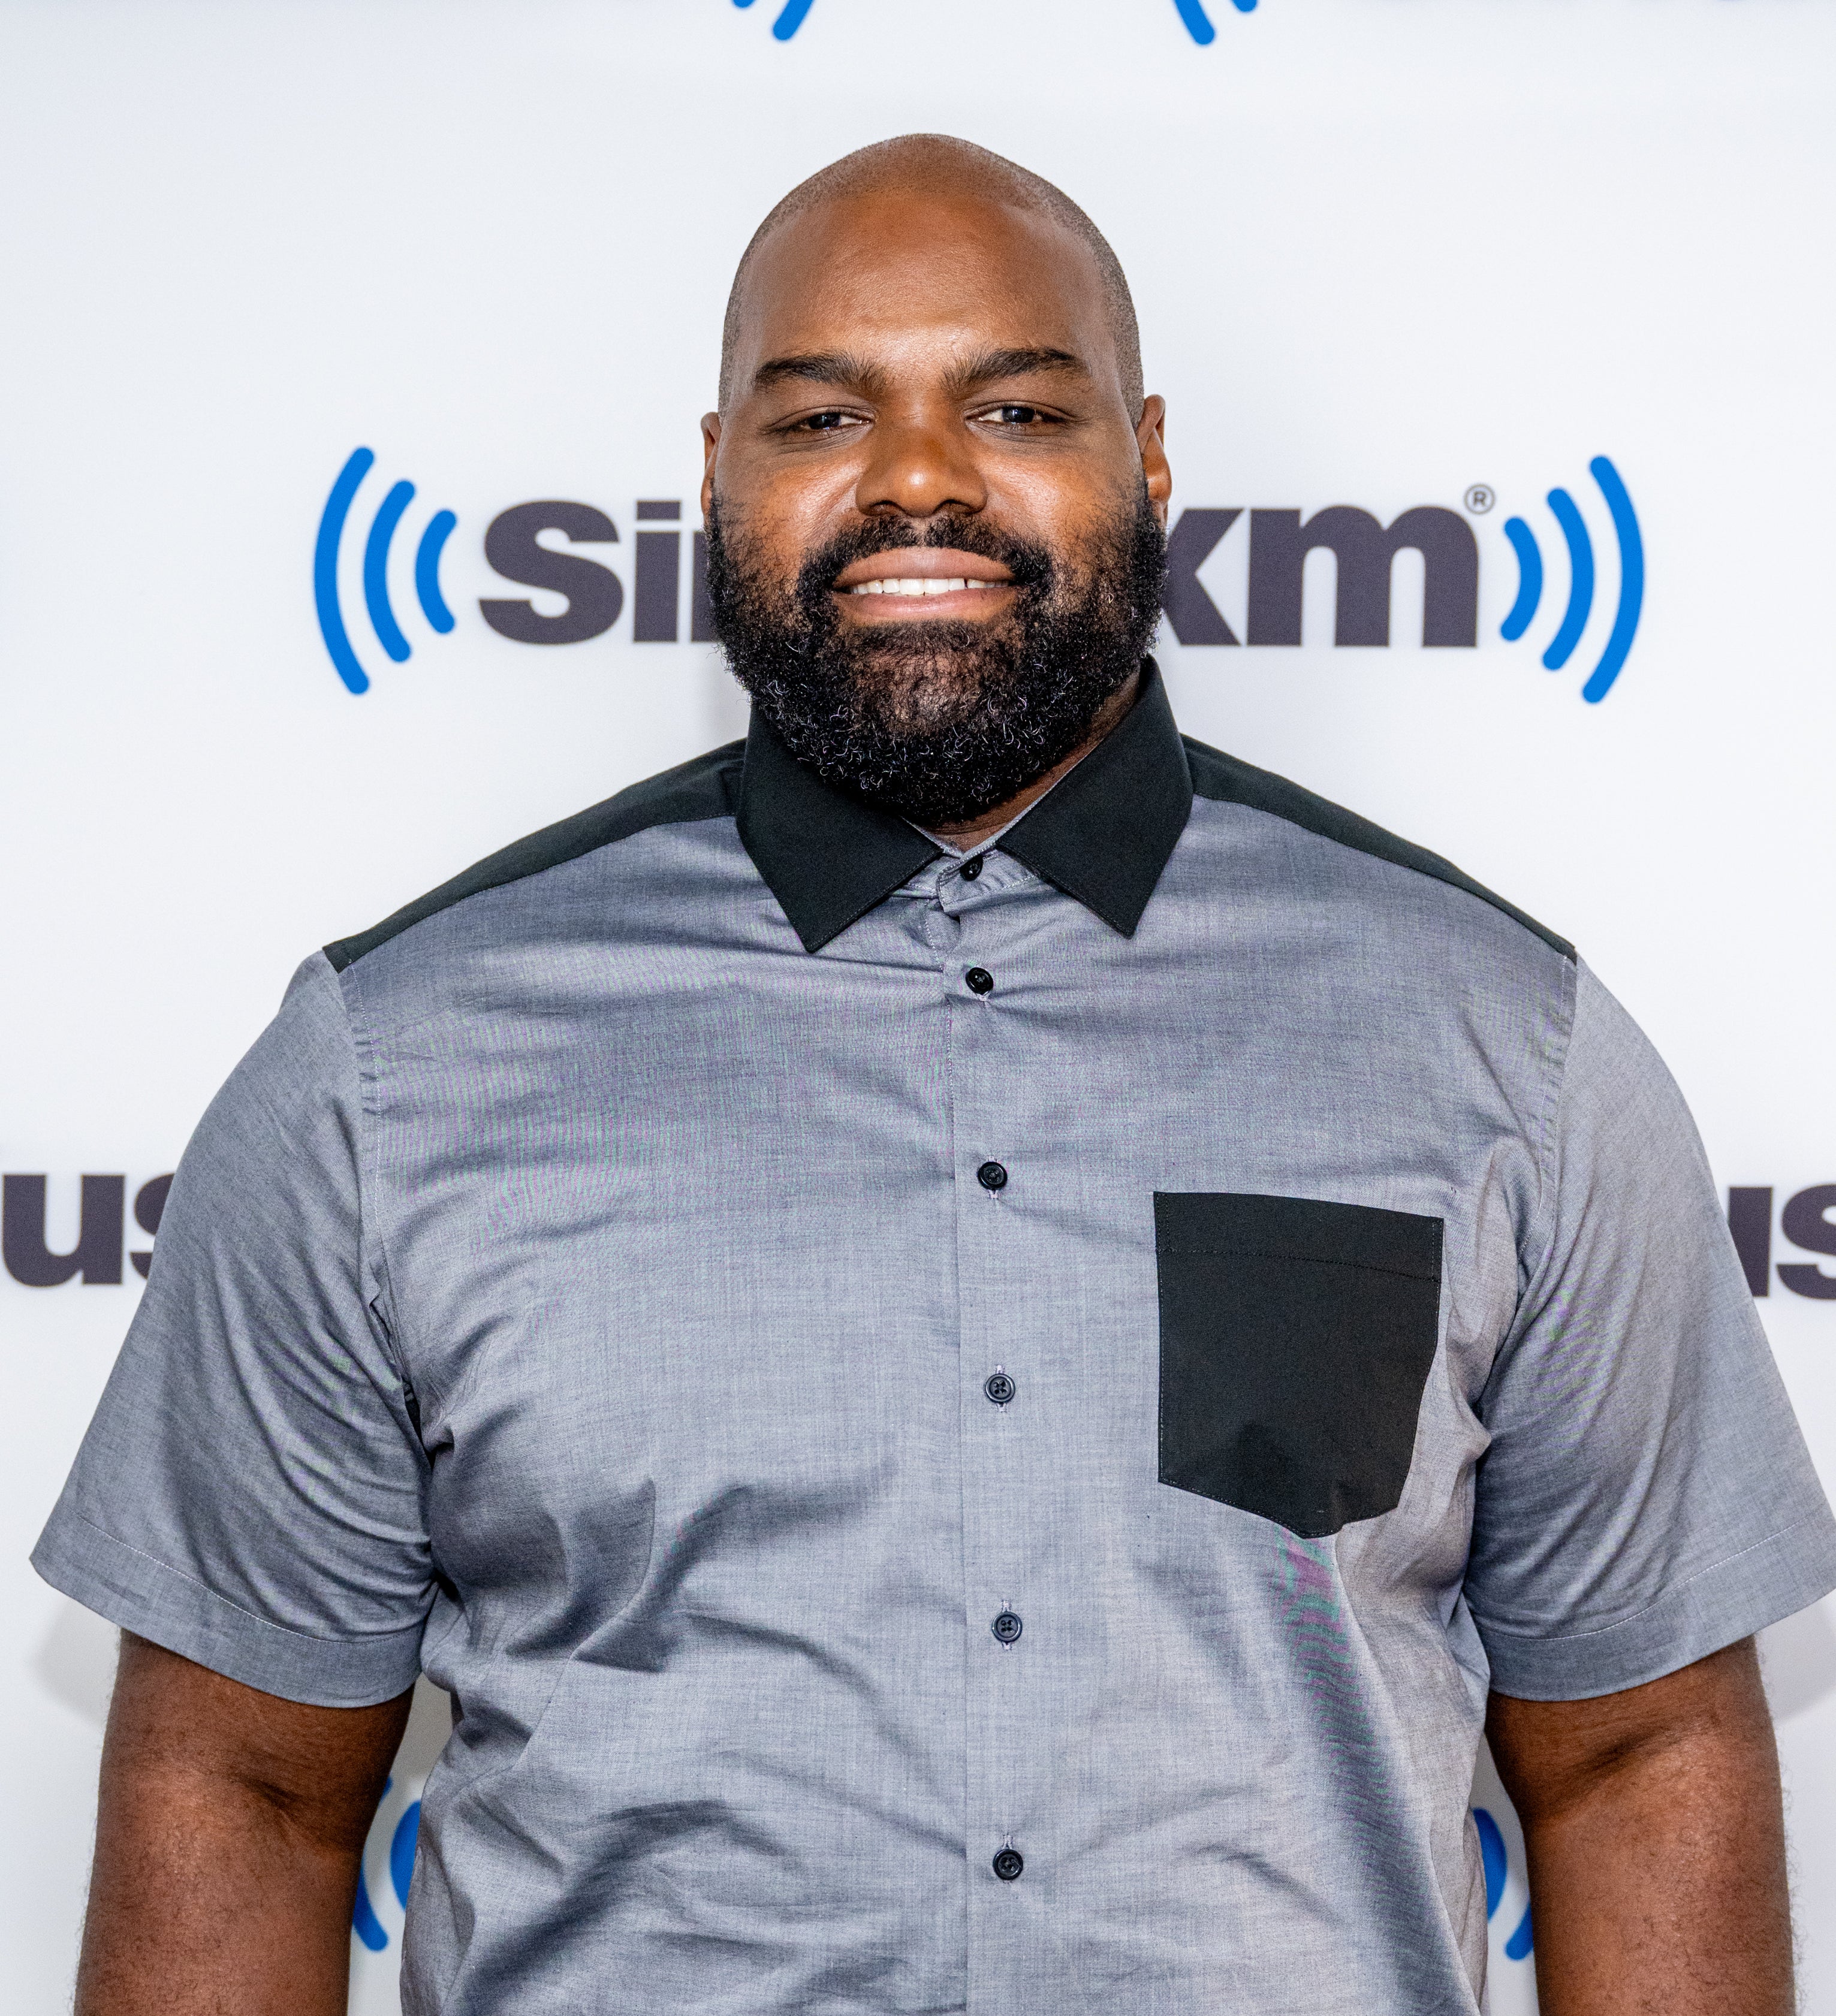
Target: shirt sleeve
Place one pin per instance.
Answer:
(1647, 1497)
(251, 1493)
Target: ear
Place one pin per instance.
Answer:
(1150, 436)
(710, 445)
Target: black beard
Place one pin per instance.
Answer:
(942, 721)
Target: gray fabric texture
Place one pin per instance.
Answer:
(585, 1296)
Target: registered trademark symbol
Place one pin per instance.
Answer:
(1480, 498)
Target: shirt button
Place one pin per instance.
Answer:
(971, 868)
(991, 1176)
(1007, 1627)
(980, 980)
(1009, 1863)
(999, 1388)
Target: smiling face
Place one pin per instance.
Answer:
(935, 526)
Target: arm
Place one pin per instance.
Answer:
(1656, 1842)
(228, 1841)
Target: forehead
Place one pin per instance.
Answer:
(903, 273)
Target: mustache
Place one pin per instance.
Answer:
(1029, 565)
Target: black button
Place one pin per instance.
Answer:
(980, 981)
(971, 868)
(998, 1387)
(1009, 1863)
(1007, 1627)
(991, 1176)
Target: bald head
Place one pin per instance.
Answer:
(933, 164)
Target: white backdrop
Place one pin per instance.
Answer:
(1387, 252)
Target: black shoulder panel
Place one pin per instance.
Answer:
(1218, 776)
(706, 788)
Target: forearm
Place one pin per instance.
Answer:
(205, 1899)
(1643, 1901)
(229, 1833)
(1657, 1859)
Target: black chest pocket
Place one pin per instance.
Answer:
(1295, 1341)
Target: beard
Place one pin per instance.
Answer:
(942, 721)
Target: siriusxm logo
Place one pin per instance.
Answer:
(1806, 1222)
(794, 13)
(1363, 548)
(593, 593)
(95, 1254)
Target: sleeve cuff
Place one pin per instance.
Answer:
(1773, 1578)
(144, 1596)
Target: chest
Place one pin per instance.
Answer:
(742, 1222)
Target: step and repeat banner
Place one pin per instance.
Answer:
(350, 358)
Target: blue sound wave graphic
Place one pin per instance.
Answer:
(1580, 580)
(402, 1845)
(1561, 645)
(1518, 1945)
(375, 570)
(1198, 25)
(1529, 579)
(1496, 1864)
(790, 20)
(364, 1921)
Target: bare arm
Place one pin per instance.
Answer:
(228, 1841)
(1656, 1844)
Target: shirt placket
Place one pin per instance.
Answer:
(1004, 1633)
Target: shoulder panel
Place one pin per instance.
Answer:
(1223, 778)
(706, 788)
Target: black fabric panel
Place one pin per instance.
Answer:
(1296, 1338)
(1105, 831)
(828, 856)
(705, 789)
(1223, 779)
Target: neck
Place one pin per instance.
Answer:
(968, 834)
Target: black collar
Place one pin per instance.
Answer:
(1103, 834)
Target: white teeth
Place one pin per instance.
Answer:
(917, 584)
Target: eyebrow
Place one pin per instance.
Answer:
(840, 367)
(994, 365)
(818, 367)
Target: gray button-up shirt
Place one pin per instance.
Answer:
(932, 1495)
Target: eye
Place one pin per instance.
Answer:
(1014, 416)
(824, 423)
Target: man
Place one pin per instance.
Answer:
(967, 1333)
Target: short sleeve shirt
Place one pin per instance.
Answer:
(965, 1434)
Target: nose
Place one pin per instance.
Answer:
(919, 464)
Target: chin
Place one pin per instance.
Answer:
(934, 639)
